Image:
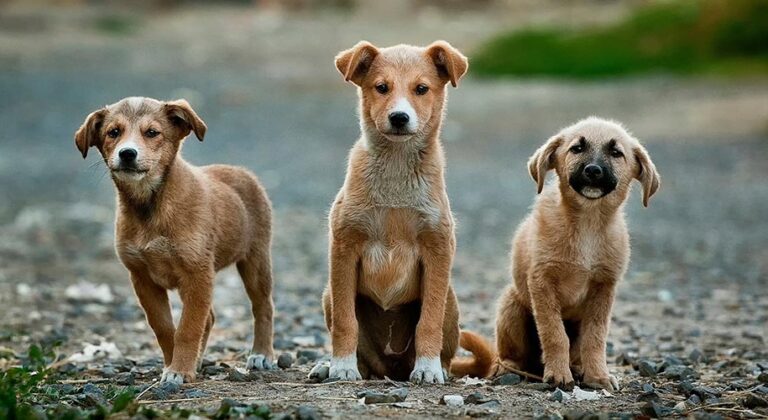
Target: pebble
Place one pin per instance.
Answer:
(680, 407)
(648, 387)
(164, 390)
(753, 401)
(305, 412)
(477, 398)
(91, 395)
(679, 372)
(452, 400)
(309, 355)
(321, 373)
(559, 395)
(285, 360)
(236, 376)
(125, 379)
(195, 393)
(507, 379)
(647, 368)
(694, 400)
(213, 370)
(378, 397)
(763, 377)
(696, 356)
(492, 406)
(654, 409)
(302, 361)
(648, 396)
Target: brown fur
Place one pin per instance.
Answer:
(567, 257)
(389, 299)
(177, 225)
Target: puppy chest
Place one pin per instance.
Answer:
(156, 257)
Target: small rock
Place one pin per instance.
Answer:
(310, 355)
(679, 372)
(305, 412)
(477, 398)
(653, 409)
(319, 372)
(694, 400)
(285, 360)
(125, 379)
(753, 401)
(452, 400)
(648, 396)
(648, 387)
(376, 397)
(696, 356)
(195, 393)
(680, 407)
(538, 386)
(705, 392)
(647, 368)
(236, 376)
(559, 395)
(507, 379)
(763, 377)
(492, 405)
(582, 395)
(91, 395)
(164, 390)
(302, 360)
(213, 370)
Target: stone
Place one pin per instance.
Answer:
(507, 379)
(195, 393)
(559, 395)
(477, 398)
(753, 401)
(378, 397)
(696, 356)
(235, 375)
(647, 368)
(284, 361)
(763, 377)
(125, 379)
(679, 372)
(655, 410)
(310, 355)
(452, 400)
(305, 412)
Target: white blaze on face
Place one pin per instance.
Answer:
(403, 105)
(127, 144)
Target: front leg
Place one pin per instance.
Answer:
(196, 293)
(555, 345)
(343, 325)
(157, 309)
(437, 256)
(592, 337)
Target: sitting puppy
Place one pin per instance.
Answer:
(389, 305)
(177, 225)
(567, 257)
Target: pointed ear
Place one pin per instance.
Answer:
(451, 64)
(544, 160)
(181, 113)
(646, 173)
(88, 133)
(354, 63)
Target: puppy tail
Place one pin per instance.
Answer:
(482, 359)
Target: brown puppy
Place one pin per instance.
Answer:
(177, 225)
(567, 257)
(389, 304)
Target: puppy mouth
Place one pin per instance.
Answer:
(398, 135)
(592, 190)
(129, 171)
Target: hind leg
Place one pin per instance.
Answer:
(256, 272)
(512, 334)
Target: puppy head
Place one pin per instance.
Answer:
(595, 159)
(402, 88)
(138, 138)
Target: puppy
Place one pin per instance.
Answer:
(177, 225)
(567, 257)
(389, 305)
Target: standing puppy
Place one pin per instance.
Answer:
(177, 225)
(389, 304)
(567, 257)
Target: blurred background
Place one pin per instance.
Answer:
(689, 78)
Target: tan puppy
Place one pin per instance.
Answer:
(567, 257)
(389, 304)
(177, 225)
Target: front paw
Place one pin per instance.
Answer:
(428, 370)
(259, 362)
(559, 377)
(344, 368)
(178, 378)
(602, 381)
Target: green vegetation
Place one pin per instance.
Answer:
(705, 36)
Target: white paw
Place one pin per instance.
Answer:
(428, 370)
(172, 376)
(320, 371)
(259, 362)
(344, 368)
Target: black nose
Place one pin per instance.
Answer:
(128, 155)
(593, 171)
(398, 119)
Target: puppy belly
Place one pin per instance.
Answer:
(387, 337)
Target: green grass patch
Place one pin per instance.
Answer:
(689, 36)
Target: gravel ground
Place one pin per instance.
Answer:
(690, 324)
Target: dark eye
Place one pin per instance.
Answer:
(579, 147)
(422, 89)
(151, 133)
(382, 88)
(113, 133)
(616, 153)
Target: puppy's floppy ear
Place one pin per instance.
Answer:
(354, 63)
(88, 133)
(181, 113)
(451, 64)
(646, 173)
(544, 160)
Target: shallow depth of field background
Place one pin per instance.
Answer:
(689, 79)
